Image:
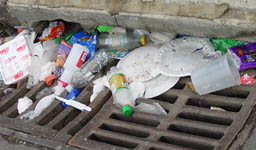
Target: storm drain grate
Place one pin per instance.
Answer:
(55, 123)
(190, 123)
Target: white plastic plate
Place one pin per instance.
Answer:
(159, 85)
(180, 57)
(139, 65)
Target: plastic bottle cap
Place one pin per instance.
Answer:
(49, 79)
(127, 110)
(143, 40)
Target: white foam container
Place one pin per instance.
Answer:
(15, 60)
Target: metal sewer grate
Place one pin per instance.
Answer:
(190, 123)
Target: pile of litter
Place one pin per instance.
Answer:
(150, 63)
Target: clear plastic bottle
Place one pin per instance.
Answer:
(82, 77)
(120, 91)
(120, 41)
(73, 63)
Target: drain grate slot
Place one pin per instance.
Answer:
(124, 130)
(166, 98)
(232, 93)
(13, 100)
(205, 118)
(61, 124)
(207, 104)
(179, 86)
(112, 141)
(44, 121)
(136, 120)
(185, 143)
(196, 131)
(154, 148)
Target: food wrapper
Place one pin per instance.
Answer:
(244, 55)
(55, 30)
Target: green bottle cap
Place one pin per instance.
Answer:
(127, 110)
(104, 28)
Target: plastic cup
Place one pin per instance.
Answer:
(217, 75)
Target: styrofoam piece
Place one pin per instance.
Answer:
(139, 65)
(15, 59)
(159, 85)
(180, 57)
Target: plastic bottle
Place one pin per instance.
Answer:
(71, 96)
(82, 77)
(74, 62)
(121, 41)
(120, 90)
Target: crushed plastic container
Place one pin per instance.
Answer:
(217, 75)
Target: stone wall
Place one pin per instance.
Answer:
(214, 18)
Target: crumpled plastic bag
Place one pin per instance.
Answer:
(23, 104)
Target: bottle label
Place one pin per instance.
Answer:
(81, 59)
(117, 82)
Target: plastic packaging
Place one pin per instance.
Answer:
(74, 62)
(245, 55)
(71, 96)
(120, 91)
(15, 59)
(55, 29)
(247, 79)
(222, 44)
(63, 53)
(217, 75)
(87, 40)
(89, 69)
(120, 41)
(62, 56)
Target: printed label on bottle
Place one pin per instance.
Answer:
(81, 59)
(117, 82)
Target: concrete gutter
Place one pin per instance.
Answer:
(212, 18)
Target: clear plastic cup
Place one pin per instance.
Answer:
(217, 75)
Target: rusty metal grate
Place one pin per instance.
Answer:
(190, 123)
